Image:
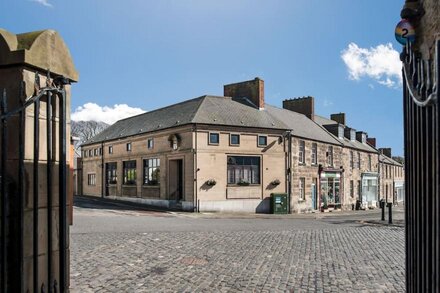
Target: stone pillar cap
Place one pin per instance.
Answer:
(44, 50)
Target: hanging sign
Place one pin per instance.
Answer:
(405, 32)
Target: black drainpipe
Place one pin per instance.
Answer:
(102, 170)
(289, 169)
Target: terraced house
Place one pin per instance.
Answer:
(229, 153)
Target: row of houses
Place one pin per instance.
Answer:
(231, 152)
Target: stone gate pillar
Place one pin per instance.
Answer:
(33, 265)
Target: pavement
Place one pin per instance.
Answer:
(119, 247)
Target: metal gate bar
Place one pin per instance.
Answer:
(422, 170)
(12, 202)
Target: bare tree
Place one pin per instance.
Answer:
(85, 130)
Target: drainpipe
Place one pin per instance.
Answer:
(196, 170)
(288, 134)
(102, 170)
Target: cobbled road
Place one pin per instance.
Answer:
(117, 248)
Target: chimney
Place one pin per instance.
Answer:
(361, 136)
(339, 117)
(371, 141)
(304, 105)
(385, 151)
(350, 133)
(251, 89)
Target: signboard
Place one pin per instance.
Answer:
(330, 175)
(405, 32)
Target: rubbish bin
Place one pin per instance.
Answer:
(278, 203)
(358, 204)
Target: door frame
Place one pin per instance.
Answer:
(182, 159)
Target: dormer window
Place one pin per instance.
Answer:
(352, 135)
(340, 131)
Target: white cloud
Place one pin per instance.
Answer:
(327, 103)
(109, 115)
(381, 63)
(43, 2)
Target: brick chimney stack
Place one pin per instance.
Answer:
(371, 141)
(251, 89)
(339, 117)
(304, 105)
(385, 151)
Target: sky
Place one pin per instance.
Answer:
(139, 55)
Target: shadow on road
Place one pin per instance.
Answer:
(87, 202)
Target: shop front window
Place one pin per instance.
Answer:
(130, 172)
(330, 190)
(243, 170)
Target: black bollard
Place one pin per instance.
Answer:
(382, 206)
(390, 213)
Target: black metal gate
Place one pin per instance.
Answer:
(422, 170)
(14, 189)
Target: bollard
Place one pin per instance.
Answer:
(382, 206)
(390, 213)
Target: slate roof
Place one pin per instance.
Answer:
(388, 160)
(301, 125)
(216, 111)
(345, 141)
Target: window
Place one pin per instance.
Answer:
(111, 173)
(91, 179)
(359, 160)
(110, 149)
(96, 152)
(369, 163)
(90, 153)
(351, 188)
(301, 154)
(243, 170)
(330, 156)
(359, 189)
(302, 183)
(150, 143)
(130, 172)
(214, 138)
(314, 154)
(100, 151)
(152, 171)
(234, 139)
(85, 154)
(262, 140)
(128, 147)
(351, 160)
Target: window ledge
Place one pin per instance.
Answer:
(150, 186)
(129, 185)
(301, 200)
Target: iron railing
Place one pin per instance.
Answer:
(422, 169)
(13, 188)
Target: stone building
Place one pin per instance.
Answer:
(229, 153)
(392, 177)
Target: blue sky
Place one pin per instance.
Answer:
(149, 54)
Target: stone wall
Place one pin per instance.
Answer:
(21, 56)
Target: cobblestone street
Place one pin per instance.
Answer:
(122, 249)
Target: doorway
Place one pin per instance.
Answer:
(176, 180)
(314, 194)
